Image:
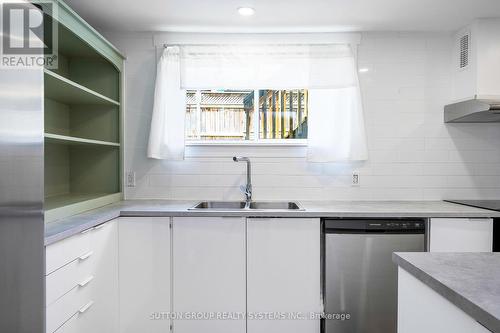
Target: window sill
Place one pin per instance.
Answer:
(262, 143)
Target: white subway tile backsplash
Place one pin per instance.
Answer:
(412, 92)
(413, 155)
(461, 193)
(486, 169)
(447, 169)
(475, 156)
(408, 156)
(436, 156)
(411, 144)
(290, 168)
(384, 156)
(439, 143)
(397, 194)
(348, 193)
(406, 169)
(199, 193)
(288, 181)
(473, 181)
(288, 193)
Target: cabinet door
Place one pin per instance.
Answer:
(283, 274)
(102, 317)
(209, 273)
(421, 309)
(461, 235)
(144, 266)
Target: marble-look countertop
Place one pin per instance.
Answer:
(64, 228)
(471, 281)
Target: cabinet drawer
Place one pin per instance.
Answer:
(67, 250)
(77, 323)
(77, 273)
(71, 326)
(78, 300)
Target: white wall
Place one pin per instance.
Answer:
(413, 154)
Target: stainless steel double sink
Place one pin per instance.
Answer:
(242, 205)
(249, 204)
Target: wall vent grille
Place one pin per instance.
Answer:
(464, 50)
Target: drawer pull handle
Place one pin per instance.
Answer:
(99, 226)
(86, 281)
(86, 255)
(86, 307)
(85, 231)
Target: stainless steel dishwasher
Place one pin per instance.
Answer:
(360, 279)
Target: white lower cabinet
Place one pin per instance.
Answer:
(131, 274)
(144, 272)
(461, 235)
(421, 309)
(81, 282)
(283, 259)
(209, 274)
(267, 268)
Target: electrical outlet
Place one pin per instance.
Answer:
(355, 179)
(130, 179)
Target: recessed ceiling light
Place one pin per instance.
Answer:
(246, 11)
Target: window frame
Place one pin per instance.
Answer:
(257, 141)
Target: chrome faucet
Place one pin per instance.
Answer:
(247, 190)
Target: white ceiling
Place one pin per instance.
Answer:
(284, 15)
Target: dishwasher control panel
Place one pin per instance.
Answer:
(375, 225)
(395, 225)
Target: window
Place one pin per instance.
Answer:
(234, 115)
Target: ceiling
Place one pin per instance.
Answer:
(284, 15)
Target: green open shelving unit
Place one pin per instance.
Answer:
(83, 122)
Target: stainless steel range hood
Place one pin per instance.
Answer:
(484, 110)
(475, 71)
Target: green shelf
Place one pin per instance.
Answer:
(59, 201)
(60, 206)
(63, 139)
(68, 92)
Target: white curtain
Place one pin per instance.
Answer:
(336, 130)
(335, 122)
(336, 127)
(166, 137)
(266, 66)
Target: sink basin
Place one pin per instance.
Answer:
(275, 205)
(220, 205)
(240, 205)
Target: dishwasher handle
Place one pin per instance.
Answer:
(396, 226)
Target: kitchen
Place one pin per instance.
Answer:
(346, 179)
